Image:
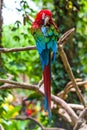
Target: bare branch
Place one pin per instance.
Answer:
(17, 83)
(22, 118)
(27, 17)
(28, 48)
(81, 123)
(1, 128)
(68, 109)
(64, 115)
(69, 87)
(12, 84)
(76, 106)
(83, 114)
(62, 40)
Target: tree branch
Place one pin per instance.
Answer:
(65, 37)
(12, 84)
(76, 106)
(27, 86)
(22, 118)
(28, 48)
(81, 123)
(64, 115)
(27, 17)
(61, 43)
(68, 88)
(1, 128)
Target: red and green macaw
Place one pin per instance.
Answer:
(45, 33)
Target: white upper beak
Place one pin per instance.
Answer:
(46, 20)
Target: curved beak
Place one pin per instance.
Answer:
(46, 20)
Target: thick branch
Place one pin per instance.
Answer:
(28, 48)
(30, 86)
(83, 114)
(69, 86)
(64, 115)
(63, 104)
(81, 123)
(67, 65)
(64, 38)
(76, 106)
(22, 118)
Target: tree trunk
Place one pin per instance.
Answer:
(1, 22)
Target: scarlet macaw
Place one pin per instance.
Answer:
(45, 33)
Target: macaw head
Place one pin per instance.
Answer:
(44, 17)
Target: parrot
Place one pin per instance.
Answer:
(45, 33)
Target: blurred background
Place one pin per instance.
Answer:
(25, 66)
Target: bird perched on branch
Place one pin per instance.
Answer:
(45, 33)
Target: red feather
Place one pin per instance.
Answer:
(47, 87)
(38, 19)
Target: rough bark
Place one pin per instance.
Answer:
(1, 22)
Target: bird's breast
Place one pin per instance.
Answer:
(44, 30)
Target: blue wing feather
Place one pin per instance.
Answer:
(46, 39)
(44, 56)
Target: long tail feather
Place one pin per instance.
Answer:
(47, 89)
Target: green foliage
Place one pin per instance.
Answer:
(14, 125)
(8, 111)
(26, 62)
(82, 32)
(70, 14)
